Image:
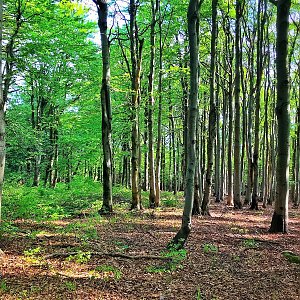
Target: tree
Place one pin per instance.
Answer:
(237, 123)
(212, 112)
(280, 216)
(152, 197)
(193, 31)
(2, 114)
(102, 9)
(136, 46)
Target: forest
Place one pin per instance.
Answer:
(149, 149)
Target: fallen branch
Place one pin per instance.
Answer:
(113, 254)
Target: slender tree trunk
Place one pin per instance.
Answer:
(259, 73)
(154, 8)
(2, 115)
(297, 156)
(146, 154)
(173, 161)
(136, 47)
(280, 217)
(218, 143)
(212, 114)
(159, 126)
(193, 30)
(237, 121)
(102, 8)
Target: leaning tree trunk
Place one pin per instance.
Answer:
(102, 9)
(193, 30)
(280, 217)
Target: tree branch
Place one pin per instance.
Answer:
(113, 254)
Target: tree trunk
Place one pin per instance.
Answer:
(193, 30)
(136, 47)
(159, 125)
(2, 115)
(280, 217)
(237, 122)
(212, 113)
(154, 8)
(102, 8)
(259, 73)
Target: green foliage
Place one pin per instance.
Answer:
(109, 272)
(250, 243)
(39, 203)
(32, 252)
(199, 295)
(291, 257)
(170, 200)
(32, 256)
(210, 248)
(121, 247)
(70, 285)
(176, 257)
(80, 257)
(8, 229)
(3, 286)
(83, 230)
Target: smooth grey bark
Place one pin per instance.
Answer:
(280, 217)
(212, 114)
(237, 120)
(107, 206)
(193, 31)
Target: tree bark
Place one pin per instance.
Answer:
(102, 8)
(212, 114)
(136, 47)
(193, 30)
(280, 217)
(154, 8)
(237, 122)
(2, 114)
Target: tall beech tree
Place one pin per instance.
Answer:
(154, 10)
(193, 32)
(212, 126)
(102, 8)
(237, 121)
(280, 216)
(136, 47)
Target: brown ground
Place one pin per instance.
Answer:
(239, 268)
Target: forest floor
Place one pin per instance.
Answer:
(229, 255)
